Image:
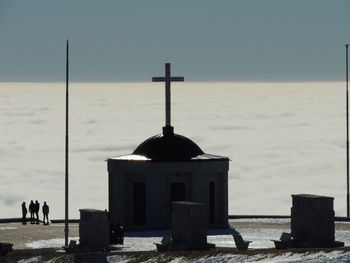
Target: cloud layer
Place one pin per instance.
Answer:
(282, 139)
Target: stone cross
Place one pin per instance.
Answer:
(167, 79)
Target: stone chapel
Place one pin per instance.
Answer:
(165, 168)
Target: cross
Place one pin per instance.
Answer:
(167, 79)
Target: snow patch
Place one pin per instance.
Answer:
(331, 257)
(139, 243)
(321, 257)
(177, 260)
(7, 228)
(30, 260)
(263, 220)
(49, 243)
(118, 259)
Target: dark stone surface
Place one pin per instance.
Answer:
(5, 248)
(189, 225)
(93, 229)
(312, 221)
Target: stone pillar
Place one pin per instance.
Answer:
(312, 221)
(189, 225)
(93, 230)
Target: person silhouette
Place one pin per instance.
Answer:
(24, 213)
(32, 211)
(46, 210)
(37, 208)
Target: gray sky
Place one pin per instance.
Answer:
(205, 40)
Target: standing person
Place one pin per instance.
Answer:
(24, 213)
(32, 211)
(46, 213)
(37, 208)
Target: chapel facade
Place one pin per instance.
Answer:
(165, 168)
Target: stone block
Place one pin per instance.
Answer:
(312, 202)
(189, 225)
(312, 220)
(93, 229)
(5, 248)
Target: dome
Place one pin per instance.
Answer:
(168, 147)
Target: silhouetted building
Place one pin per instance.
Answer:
(165, 168)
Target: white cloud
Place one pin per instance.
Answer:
(282, 139)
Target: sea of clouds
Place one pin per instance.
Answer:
(282, 139)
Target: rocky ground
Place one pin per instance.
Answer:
(226, 254)
(21, 235)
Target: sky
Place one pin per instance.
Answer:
(270, 132)
(127, 41)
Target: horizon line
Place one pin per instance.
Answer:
(130, 82)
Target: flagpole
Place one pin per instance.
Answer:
(66, 228)
(347, 130)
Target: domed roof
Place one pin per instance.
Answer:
(168, 147)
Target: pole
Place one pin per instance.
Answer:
(347, 130)
(66, 229)
(167, 95)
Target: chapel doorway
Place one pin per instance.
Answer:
(211, 202)
(177, 192)
(139, 201)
